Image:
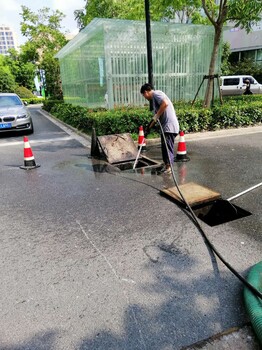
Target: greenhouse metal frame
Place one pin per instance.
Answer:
(106, 63)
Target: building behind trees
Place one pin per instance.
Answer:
(7, 39)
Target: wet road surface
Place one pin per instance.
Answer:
(96, 258)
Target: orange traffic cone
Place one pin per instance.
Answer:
(29, 160)
(141, 139)
(181, 155)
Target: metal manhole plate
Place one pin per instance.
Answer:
(118, 147)
(194, 194)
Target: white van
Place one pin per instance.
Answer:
(235, 85)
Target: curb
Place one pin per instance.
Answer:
(206, 135)
(81, 137)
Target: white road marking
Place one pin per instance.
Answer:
(118, 278)
(50, 140)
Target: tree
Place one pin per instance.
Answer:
(7, 80)
(225, 63)
(23, 71)
(247, 66)
(124, 9)
(45, 39)
(180, 11)
(241, 13)
(50, 66)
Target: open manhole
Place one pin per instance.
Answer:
(121, 152)
(219, 212)
(143, 162)
(207, 204)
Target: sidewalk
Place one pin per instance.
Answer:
(205, 135)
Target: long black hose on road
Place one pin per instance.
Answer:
(197, 224)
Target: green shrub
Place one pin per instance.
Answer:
(33, 100)
(23, 92)
(235, 112)
(49, 104)
(7, 80)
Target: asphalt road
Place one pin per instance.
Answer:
(95, 258)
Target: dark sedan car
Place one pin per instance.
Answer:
(14, 115)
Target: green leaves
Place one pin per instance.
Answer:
(244, 13)
(7, 81)
(44, 40)
(135, 10)
(23, 72)
(236, 112)
(24, 93)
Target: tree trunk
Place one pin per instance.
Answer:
(210, 82)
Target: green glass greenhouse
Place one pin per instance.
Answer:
(106, 63)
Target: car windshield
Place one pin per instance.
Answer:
(10, 101)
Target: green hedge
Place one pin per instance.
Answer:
(33, 100)
(23, 92)
(235, 112)
(49, 104)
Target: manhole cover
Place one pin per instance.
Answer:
(121, 151)
(193, 193)
(207, 204)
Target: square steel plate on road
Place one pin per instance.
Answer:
(118, 148)
(194, 194)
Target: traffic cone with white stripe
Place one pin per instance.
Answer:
(141, 139)
(29, 159)
(181, 155)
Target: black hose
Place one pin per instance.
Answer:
(197, 224)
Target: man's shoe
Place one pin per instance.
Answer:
(164, 171)
(167, 171)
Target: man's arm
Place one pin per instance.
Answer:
(161, 110)
(158, 114)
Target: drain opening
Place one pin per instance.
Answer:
(121, 152)
(140, 164)
(207, 204)
(219, 212)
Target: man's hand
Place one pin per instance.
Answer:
(149, 126)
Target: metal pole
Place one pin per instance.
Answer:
(149, 47)
(248, 190)
(138, 153)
